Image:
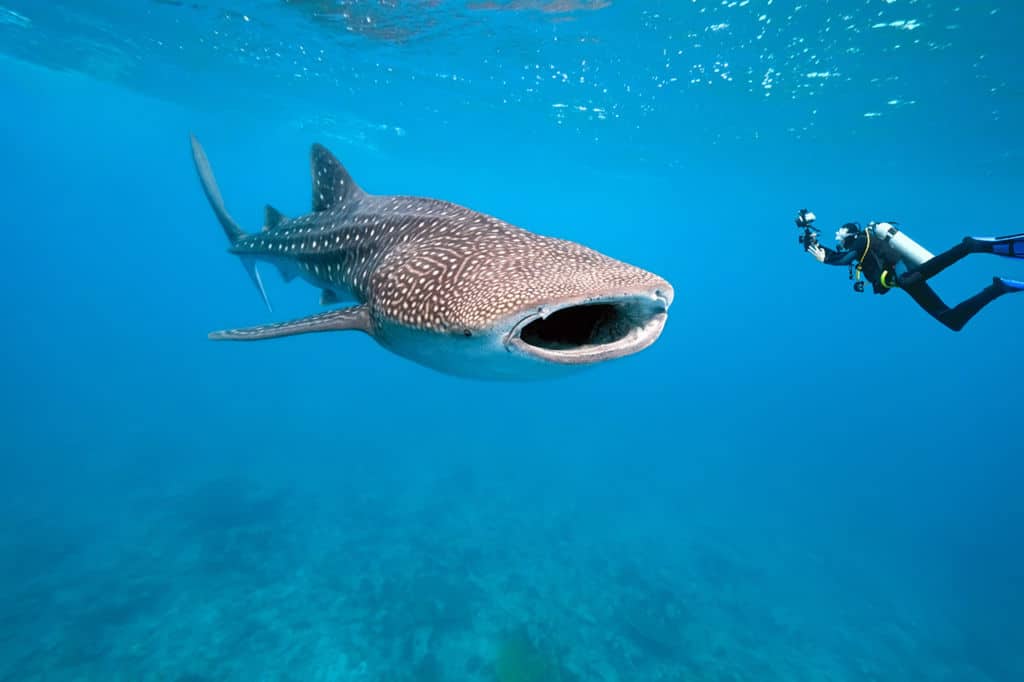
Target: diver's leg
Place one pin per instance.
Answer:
(929, 301)
(955, 318)
(940, 262)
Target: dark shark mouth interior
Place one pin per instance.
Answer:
(581, 325)
(594, 330)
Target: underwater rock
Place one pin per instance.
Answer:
(655, 627)
(520, 660)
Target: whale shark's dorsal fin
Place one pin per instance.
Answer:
(272, 218)
(333, 187)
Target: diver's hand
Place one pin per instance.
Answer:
(817, 251)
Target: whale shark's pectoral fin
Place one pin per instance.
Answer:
(344, 319)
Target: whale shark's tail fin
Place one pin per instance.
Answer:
(231, 228)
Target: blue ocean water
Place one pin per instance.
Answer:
(795, 482)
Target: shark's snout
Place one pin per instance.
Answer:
(592, 329)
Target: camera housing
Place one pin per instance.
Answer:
(805, 221)
(805, 218)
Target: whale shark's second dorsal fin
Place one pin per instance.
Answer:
(333, 187)
(272, 218)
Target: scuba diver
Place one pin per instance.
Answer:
(889, 259)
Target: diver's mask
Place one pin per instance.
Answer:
(845, 236)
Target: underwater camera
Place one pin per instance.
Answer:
(805, 221)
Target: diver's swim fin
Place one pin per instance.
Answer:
(1011, 245)
(1008, 286)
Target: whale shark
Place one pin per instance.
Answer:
(455, 290)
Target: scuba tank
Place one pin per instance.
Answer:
(910, 252)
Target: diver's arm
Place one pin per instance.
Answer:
(825, 255)
(839, 257)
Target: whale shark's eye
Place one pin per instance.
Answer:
(466, 332)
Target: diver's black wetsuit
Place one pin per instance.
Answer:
(880, 259)
(874, 261)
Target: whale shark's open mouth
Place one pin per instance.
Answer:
(592, 330)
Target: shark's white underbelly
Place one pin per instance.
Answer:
(480, 356)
